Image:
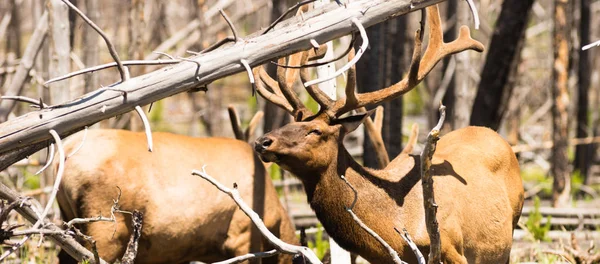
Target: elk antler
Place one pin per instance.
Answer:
(283, 94)
(436, 51)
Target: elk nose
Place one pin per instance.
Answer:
(262, 143)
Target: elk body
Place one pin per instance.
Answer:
(185, 217)
(476, 175)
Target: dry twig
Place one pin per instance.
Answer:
(132, 246)
(390, 250)
(428, 195)
(281, 246)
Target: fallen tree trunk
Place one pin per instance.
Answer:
(27, 134)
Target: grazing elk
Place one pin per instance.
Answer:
(185, 218)
(477, 182)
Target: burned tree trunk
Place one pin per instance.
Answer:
(560, 162)
(583, 153)
(386, 52)
(491, 102)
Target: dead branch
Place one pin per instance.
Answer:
(25, 135)
(387, 246)
(406, 236)
(249, 256)
(275, 241)
(111, 48)
(111, 65)
(68, 243)
(132, 246)
(435, 254)
(26, 64)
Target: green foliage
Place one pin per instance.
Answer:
(311, 104)
(321, 245)
(534, 222)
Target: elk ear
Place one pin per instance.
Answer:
(350, 123)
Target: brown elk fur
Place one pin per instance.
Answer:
(477, 187)
(185, 217)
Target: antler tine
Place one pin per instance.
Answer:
(436, 50)
(320, 97)
(351, 82)
(286, 82)
(272, 97)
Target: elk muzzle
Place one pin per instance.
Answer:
(261, 145)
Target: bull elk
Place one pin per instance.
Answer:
(185, 219)
(477, 182)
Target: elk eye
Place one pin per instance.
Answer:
(315, 132)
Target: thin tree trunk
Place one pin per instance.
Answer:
(583, 153)
(464, 92)
(136, 49)
(13, 38)
(90, 45)
(495, 88)
(60, 62)
(560, 136)
(274, 116)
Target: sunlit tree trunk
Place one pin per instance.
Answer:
(559, 160)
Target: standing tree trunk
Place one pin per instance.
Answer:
(135, 50)
(382, 65)
(60, 62)
(583, 153)
(13, 36)
(464, 90)
(560, 162)
(274, 116)
(495, 88)
(90, 45)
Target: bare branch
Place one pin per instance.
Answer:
(291, 9)
(147, 128)
(111, 47)
(74, 151)
(250, 75)
(110, 65)
(275, 241)
(249, 256)
(390, 250)
(428, 195)
(132, 246)
(591, 45)
(26, 64)
(474, 12)
(70, 245)
(24, 99)
(406, 236)
(231, 26)
(22, 136)
(363, 48)
(48, 159)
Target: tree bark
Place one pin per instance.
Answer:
(60, 62)
(560, 135)
(464, 92)
(25, 135)
(583, 153)
(495, 88)
(90, 45)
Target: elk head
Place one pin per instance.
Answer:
(314, 142)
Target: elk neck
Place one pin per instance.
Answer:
(386, 190)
